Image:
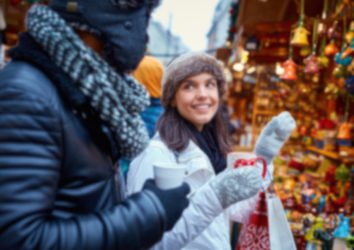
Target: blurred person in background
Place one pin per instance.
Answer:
(192, 132)
(149, 73)
(66, 117)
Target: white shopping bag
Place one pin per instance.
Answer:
(281, 237)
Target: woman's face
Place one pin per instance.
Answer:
(197, 99)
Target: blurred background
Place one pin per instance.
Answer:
(294, 55)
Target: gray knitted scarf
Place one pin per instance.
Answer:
(118, 99)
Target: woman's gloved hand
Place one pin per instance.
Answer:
(273, 136)
(173, 200)
(234, 185)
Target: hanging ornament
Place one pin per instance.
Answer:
(331, 91)
(331, 49)
(300, 33)
(339, 59)
(311, 62)
(300, 37)
(305, 51)
(349, 84)
(322, 59)
(349, 38)
(289, 70)
(349, 51)
(350, 34)
(289, 66)
(350, 68)
(341, 82)
(340, 71)
(311, 65)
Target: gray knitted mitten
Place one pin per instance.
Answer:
(273, 136)
(233, 185)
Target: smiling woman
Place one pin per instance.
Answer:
(192, 138)
(192, 135)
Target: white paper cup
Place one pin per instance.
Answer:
(168, 174)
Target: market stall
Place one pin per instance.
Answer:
(301, 60)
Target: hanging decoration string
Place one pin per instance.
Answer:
(315, 36)
(302, 14)
(343, 8)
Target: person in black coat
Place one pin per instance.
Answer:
(68, 112)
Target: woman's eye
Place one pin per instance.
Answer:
(211, 84)
(189, 86)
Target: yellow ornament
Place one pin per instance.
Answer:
(323, 61)
(300, 37)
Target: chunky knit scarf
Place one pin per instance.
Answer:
(118, 99)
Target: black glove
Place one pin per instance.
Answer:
(173, 200)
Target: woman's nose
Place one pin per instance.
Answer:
(202, 92)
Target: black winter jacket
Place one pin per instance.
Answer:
(58, 188)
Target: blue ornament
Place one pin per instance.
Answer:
(349, 84)
(343, 61)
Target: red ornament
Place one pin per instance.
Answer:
(331, 49)
(289, 70)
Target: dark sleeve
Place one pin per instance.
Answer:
(30, 160)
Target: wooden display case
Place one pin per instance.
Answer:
(264, 100)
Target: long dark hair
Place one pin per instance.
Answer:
(175, 132)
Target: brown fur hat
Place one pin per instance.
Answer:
(187, 65)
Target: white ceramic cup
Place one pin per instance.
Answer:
(168, 174)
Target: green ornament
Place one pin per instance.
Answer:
(340, 71)
(342, 173)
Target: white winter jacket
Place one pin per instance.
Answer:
(203, 224)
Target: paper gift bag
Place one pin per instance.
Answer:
(268, 228)
(281, 236)
(255, 235)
